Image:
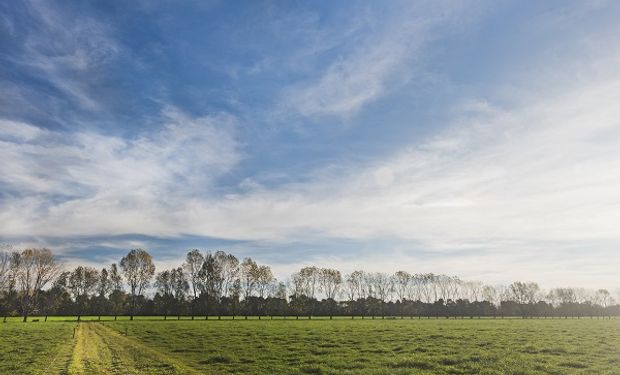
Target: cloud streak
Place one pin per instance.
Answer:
(378, 62)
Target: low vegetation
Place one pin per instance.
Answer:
(317, 346)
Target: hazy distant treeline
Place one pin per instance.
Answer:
(33, 281)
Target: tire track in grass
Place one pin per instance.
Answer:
(100, 350)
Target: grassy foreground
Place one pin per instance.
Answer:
(313, 347)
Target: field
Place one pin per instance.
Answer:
(318, 346)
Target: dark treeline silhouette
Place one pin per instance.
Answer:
(33, 282)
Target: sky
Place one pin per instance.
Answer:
(478, 139)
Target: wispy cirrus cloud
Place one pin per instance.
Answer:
(63, 54)
(382, 57)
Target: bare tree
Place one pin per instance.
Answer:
(490, 294)
(473, 290)
(330, 280)
(264, 279)
(138, 268)
(354, 282)
(249, 274)
(402, 287)
(310, 277)
(264, 283)
(602, 297)
(383, 287)
(230, 273)
(402, 284)
(35, 268)
(193, 264)
(5, 263)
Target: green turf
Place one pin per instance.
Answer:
(318, 346)
(382, 346)
(34, 348)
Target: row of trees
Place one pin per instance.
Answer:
(33, 281)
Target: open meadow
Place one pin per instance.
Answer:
(317, 346)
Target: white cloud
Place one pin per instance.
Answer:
(86, 183)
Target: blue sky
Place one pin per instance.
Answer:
(469, 138)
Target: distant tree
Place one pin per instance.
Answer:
(116, 280)
(249, 279)
(330, 281)
(490, 294)
(138, 268)
(309, 277)
(180, 287)
(164, 297)
(172, 287)
(104, 287)
(383, 287)
(264, 282)
(192, 266)
(82, 282)
(402, 286)
(524, 294)
(5, 263)
(230, 273)
(57, 300)
(602, 298)
(34, 268)
(354, 288)
(264, 279)
(117, 298)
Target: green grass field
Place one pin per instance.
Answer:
(318, 346)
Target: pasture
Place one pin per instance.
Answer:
(317, 346)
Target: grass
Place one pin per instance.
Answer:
(33, 348)
(341, 346)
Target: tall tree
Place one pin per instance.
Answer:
(104, 287)
(330, 280)
(117, 297)
(249, 280)
(82, 282)
(193, 265)
(116, 280)
(230, 273)
(35, 268)
(5, 263)
(164, 297)
(138, 269)
(353, 289)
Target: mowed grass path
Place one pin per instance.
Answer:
(341, 346)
